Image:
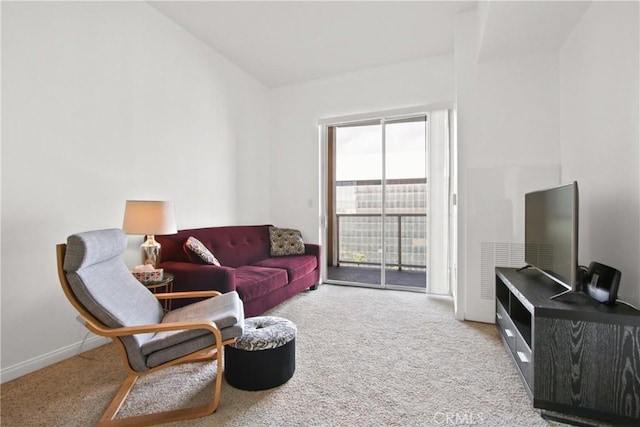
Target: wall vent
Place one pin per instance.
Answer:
(493, 255)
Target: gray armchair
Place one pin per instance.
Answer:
(114, 304)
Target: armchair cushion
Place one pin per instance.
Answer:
(165, 355)
(90, 248)
(224, 310)
(170, 345)
(104, 285)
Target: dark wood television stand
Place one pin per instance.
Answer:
(576, 357)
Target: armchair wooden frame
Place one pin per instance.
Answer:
(213, 352)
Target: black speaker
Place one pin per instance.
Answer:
(601, 283)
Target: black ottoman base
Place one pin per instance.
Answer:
(260, 369)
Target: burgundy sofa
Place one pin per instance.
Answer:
(262, 281)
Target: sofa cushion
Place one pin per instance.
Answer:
(285, 241)
(254, 281)
(296, 265)
(198, 253)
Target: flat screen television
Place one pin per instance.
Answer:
(551, 234)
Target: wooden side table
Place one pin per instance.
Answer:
(164, 285)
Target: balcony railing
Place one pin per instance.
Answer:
(359, 240)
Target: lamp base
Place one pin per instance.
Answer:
(151, 251)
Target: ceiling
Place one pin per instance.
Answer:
(517, 27)
(287, 42)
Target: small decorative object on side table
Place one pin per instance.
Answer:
(163, 285)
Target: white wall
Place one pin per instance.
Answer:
(295, 148)
(508, 143)
(104, 102)
(600, 144)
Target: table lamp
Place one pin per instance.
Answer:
(149, 217)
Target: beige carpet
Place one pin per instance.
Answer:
(365, 357)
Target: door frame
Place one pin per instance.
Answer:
(323, 134)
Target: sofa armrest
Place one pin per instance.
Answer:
(313, 249)
(200, 277)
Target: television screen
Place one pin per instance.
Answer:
(551, 233)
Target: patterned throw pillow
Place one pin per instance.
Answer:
(197, 247)
(285, 241)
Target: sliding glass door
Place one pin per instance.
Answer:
(357, 213)
(377, 210)
(405, 201)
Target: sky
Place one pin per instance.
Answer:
(359, 151)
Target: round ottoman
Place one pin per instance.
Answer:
(264, 356)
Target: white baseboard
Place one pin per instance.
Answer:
(31, 365)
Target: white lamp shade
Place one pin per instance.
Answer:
(149, 217)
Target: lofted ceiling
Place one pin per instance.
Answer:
(510, 28)
(287, 42)
(284, 42)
